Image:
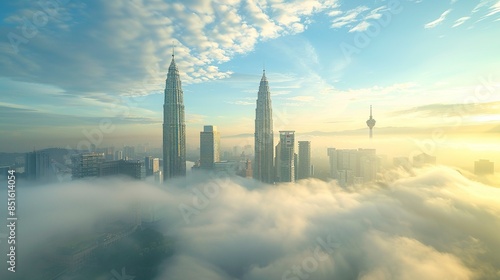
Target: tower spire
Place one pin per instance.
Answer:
(173, 49)
(371, 122)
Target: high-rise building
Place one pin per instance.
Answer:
(174, 126)
(263, 169)
(37, 165)
(285, 157)
(209, 147)
(131, 168)
(151, 165)
(118, 155)
(484, 167)
(371, 122)
(128, 152)
(86, 165)
(304, 164)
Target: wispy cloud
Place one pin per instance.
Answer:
(349, 17)
(494, 9)
(438, 21)
(135, 41)
(460, 21)
(450, 110)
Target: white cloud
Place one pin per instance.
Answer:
(362, 26)
(460, 21)
(349, 17)
(135, 40)
(434, 224)
(494, 9)
(438, 21)
(360, 17)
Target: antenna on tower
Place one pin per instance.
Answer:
(173, 48)
(371, 122)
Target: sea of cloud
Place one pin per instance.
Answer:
(432, 224)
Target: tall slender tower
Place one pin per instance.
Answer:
(263, 169)
(371, 122)
(174, 127)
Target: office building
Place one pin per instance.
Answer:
(285, 157)
(152, 165)
(37, 165)
(209, 147)
(304, 161)
(86, 165)
(174, 126)
(263, 169)
(133, 168)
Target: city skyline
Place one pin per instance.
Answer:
(311, 74)
(231, 139)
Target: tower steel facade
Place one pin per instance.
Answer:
(263, 169)
(174, 126)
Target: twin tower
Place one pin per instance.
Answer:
(174, 130)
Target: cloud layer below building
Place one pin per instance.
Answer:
(436, 224)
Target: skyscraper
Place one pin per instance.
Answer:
(304, 166)
(86, 165)
(263, 169)
(37, 165)
(371, 122)
(174, 127)
(209, 147)
(285, 157)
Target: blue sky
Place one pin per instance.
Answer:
(67, 65)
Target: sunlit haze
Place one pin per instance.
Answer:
(391, 155)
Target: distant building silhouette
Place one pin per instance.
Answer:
(285, 157)
(423, 159)
(263, 169)
(352, 166)
(484, 167)
(174, 126)
(209, 147)
(402, 162)
(371, 122)
(128, 152)
(304, 161)
(37, 165)
(118, 155)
